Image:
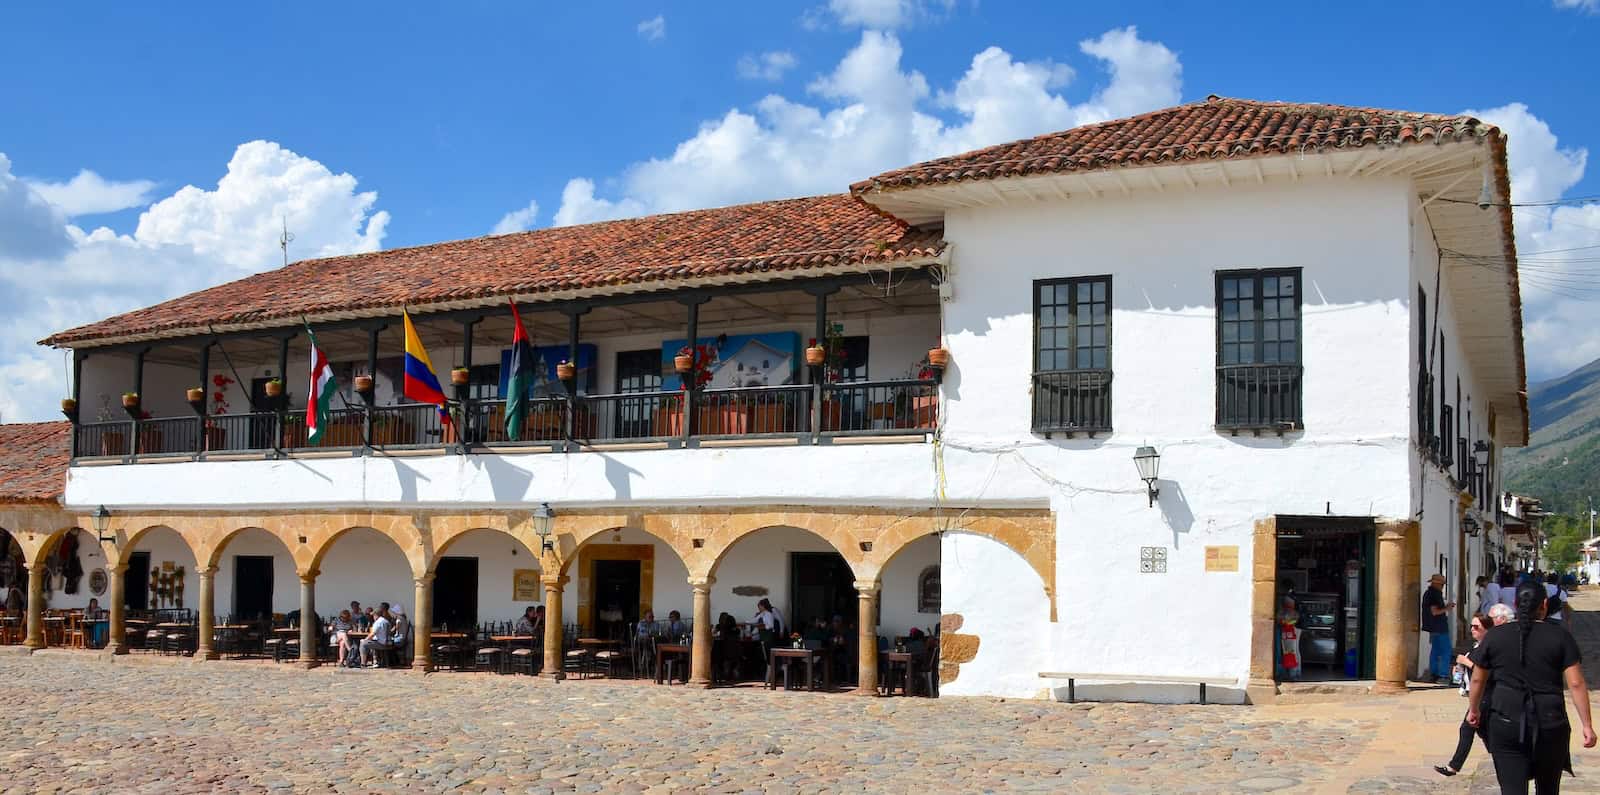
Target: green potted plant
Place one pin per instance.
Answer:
(460, 376)
(275, 388)
(130, 400)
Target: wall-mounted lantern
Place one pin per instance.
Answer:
(543, 517)
(101, 518)
(1149, 463)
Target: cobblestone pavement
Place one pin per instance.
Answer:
(73, 722)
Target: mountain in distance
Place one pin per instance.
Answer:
(1561, 464)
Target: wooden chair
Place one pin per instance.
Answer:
(77, 636)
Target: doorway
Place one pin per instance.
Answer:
(261, 423)
(136, 582)
(637, 371)
(1327, 566)
(455, 593)
(821, 586)
(252, 587)
(616, 597)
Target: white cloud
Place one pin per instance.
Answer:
(89, 194)
(517, 220)
(653, 29)
(872, 115)
(882, 14)
(767, 65)
(190, 240)
(1558, 248)
(33, 226)
(1587, 6)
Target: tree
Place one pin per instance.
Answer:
(1564, 535)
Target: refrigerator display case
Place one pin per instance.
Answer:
(1319, 628)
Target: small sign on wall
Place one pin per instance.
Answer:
(1152, 560)
(525, 585)
(1224, 558)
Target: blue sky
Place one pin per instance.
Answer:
(457, 116)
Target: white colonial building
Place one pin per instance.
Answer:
(1309, 312)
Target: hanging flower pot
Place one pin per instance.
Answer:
(274, 387)
(195, 394)
(130, 400)
(69, 406)
(460, 376)
(683, 362)
(566, 371)
(364, 384)
(938, 357)
(816, 355)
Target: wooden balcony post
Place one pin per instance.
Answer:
(77, 394)
(372, 395)
(204, 413)
(689, 379)
(570, 431)
(819, 374)
(282, 402)
(138, 389)
(464, 432)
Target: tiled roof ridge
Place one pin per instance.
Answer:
(1123, 155)
(33, 461)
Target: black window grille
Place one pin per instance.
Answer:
(1259, 373)
(1072, 355)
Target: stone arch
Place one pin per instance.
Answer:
(720, 531)
(125, 546)
(445, 531)
(1030, 534)
(404, 533)
(209, 552)
(385, 571)
(580, 549)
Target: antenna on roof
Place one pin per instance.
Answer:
(284, 240)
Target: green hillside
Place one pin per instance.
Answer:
(1561, 464)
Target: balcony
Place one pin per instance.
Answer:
(757, 387)
(1072, 402)
(1259, 397)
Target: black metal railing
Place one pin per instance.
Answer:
(867, 408)
(629, 416)
(1259, 397)
(1072, 401)
(755, 410)
(892, 407)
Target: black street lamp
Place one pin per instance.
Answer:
(1149, 463)
(101, 516)
(542, 519)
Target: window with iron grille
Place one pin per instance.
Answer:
(1072, 355)
(1258, 349)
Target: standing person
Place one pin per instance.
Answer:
(1508, 589)
(1491, 593)
(1479, 627)
(770, 623)
(1528, 732)
(1556, 608)
(1436, 622)
(1481, 591)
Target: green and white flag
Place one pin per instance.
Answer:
(319, 409)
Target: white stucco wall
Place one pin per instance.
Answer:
(164, 544)
(366, 566)
(90, 557)
(257, 542)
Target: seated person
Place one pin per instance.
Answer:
(728, 649)
(379, 640)
(675, 626)
(342, 624)
(647, 625)
(96, 630)
(816, 632)
(400, 629)
(525, 625)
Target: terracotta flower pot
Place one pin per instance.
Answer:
(683, 362)
(363, 383)
(274, 388)
(130, 401)
(816, 355)
(938, 357)
(195, 394)
(566, 371)
(460, 376)
(68, 405)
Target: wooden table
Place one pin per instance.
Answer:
(905, 657)
(226, 633)
(810, 656)
(664, 649)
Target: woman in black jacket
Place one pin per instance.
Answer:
(1529, 661)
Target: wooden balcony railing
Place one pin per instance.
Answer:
(1072, 401)
(859, 409)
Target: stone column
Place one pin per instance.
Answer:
(700, 654)
(1262, 687)
(867, 653)
(36, 575)
(1391, 607)
(422, 627)
(552, 626)
(310, 633)
(116, 628)
(208, 615)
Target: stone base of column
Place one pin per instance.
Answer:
(554, 676)
(422, 666)
(206, 654)
(117, 649)
(308, 664)
(1383, 688)
(865, 690)
(701, 683)
(1259, 692)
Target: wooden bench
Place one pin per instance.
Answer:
(1202, 681)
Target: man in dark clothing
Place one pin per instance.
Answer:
(1436, 622)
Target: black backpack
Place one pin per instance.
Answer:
(1552, 605)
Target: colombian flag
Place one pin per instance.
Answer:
(422, 383)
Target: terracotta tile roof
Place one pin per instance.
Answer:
(1215, 128)
(33, 461)
(787, 236)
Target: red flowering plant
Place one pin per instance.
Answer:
(700, 372)
(833, 360)
(219, 396)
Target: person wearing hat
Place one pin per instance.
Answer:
(1436, 622)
